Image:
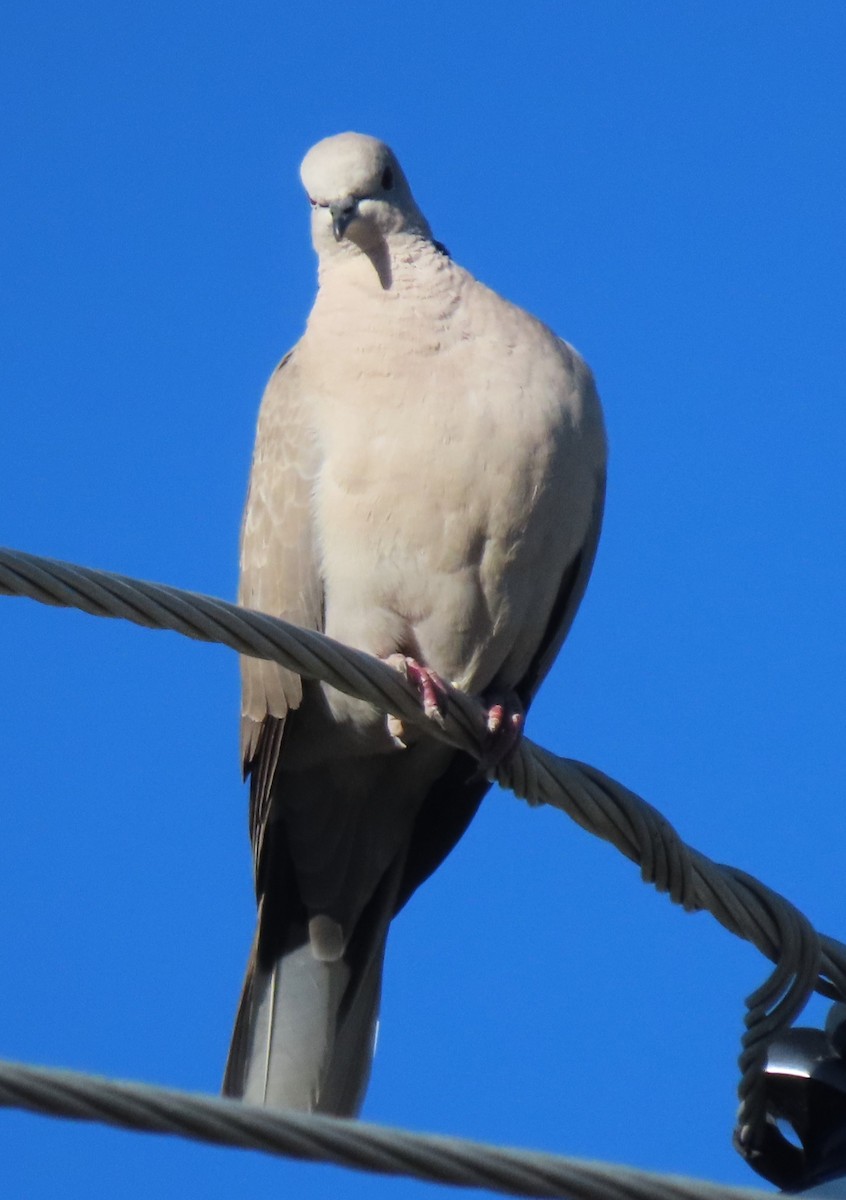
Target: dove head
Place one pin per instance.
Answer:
(359, 195)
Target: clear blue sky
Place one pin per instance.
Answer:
(663, 183)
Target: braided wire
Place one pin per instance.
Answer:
(356, 1144)
(805, 960)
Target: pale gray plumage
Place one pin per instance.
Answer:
(428, 480)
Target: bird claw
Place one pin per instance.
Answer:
(433, 691)
(396, 732)
(504, 714)
(505, 720)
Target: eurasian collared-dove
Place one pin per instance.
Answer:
(428, 481)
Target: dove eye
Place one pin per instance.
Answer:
(387, 179)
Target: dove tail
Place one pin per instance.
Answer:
(306, 1029)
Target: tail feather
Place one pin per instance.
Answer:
(305, 1033)
(306, 1027)
(355, 1042)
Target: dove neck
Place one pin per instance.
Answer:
(393, 263)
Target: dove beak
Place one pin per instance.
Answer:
(342, 213)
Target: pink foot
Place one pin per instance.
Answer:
(433, 691)
(506, 719)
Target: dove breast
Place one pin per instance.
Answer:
(460, 443)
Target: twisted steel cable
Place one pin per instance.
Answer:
(355, 1144)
